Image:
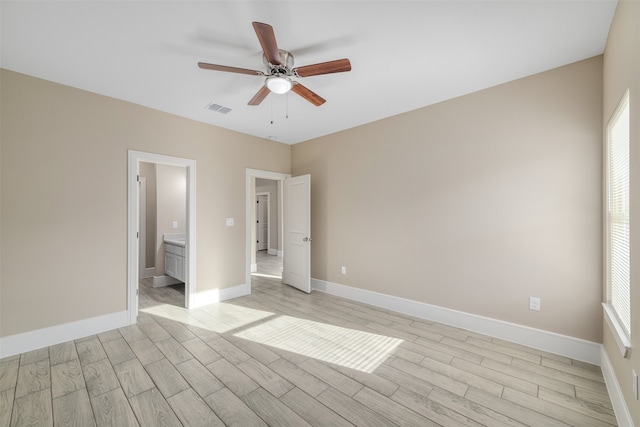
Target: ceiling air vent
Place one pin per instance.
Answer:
(218, 108)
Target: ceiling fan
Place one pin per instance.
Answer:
(279, 65)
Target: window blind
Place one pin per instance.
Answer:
(618, 286)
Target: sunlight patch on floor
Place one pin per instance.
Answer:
(350, 348)
(220, 317)
(346, 347)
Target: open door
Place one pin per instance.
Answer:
(297, 233)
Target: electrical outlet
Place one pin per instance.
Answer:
(174, 224)
(635, 383)
(534, 303)
(344, 270)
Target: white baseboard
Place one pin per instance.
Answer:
(575, 348)
(160, 281)
(623, 416)
(254, 268)
(234, 292)
(32, 340)
(148, 272)
(213, 296)
(272, 251)
(280, 253)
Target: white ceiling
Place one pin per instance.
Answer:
(404, 54)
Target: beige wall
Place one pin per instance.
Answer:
(64, 198)
(622, 71)
(473, 204)
(171, 196)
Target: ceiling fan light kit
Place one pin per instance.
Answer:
(278, 84)
(279, 65)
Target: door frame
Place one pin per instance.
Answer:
(268, 195)
(134, 158)
(142, 226)
(251, 175)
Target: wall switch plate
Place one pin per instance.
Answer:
(174, 224)
(230, 222)
(534, 303)
(635, 383)
(344, 270)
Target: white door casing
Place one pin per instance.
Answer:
(297, 232)
(262, 222)
(142, 226)
(134, 157)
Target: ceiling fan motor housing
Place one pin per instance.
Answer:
(282, 69)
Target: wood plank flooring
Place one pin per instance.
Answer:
(280, 357)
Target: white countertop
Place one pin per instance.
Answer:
(179, 239)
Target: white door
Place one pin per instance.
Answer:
(297, 232)
(262, 225)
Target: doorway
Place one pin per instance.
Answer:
(162, 236)
(263, 216)
(267, 261)
(134, 263)
(294, 227)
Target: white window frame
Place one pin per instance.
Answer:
(621, 333)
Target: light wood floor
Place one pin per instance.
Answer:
(280, 357)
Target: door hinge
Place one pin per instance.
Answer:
(137, 235)
(138, 178)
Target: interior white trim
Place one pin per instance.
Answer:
(234, 292)
(164, 280)
(575, 348)
(142, 226)
(617, 330)
(213, 296)
(134, 157)
(250, 175)
(623, 416)
(148, 272)
(32, 340)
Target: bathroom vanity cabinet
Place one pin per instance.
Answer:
(174, 259)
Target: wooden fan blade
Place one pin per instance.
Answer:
(267, 40)
(307, 94)
(337, 66)
(215, 67)
(260, 96)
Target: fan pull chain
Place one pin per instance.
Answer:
(271, 100)
(286, 114)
